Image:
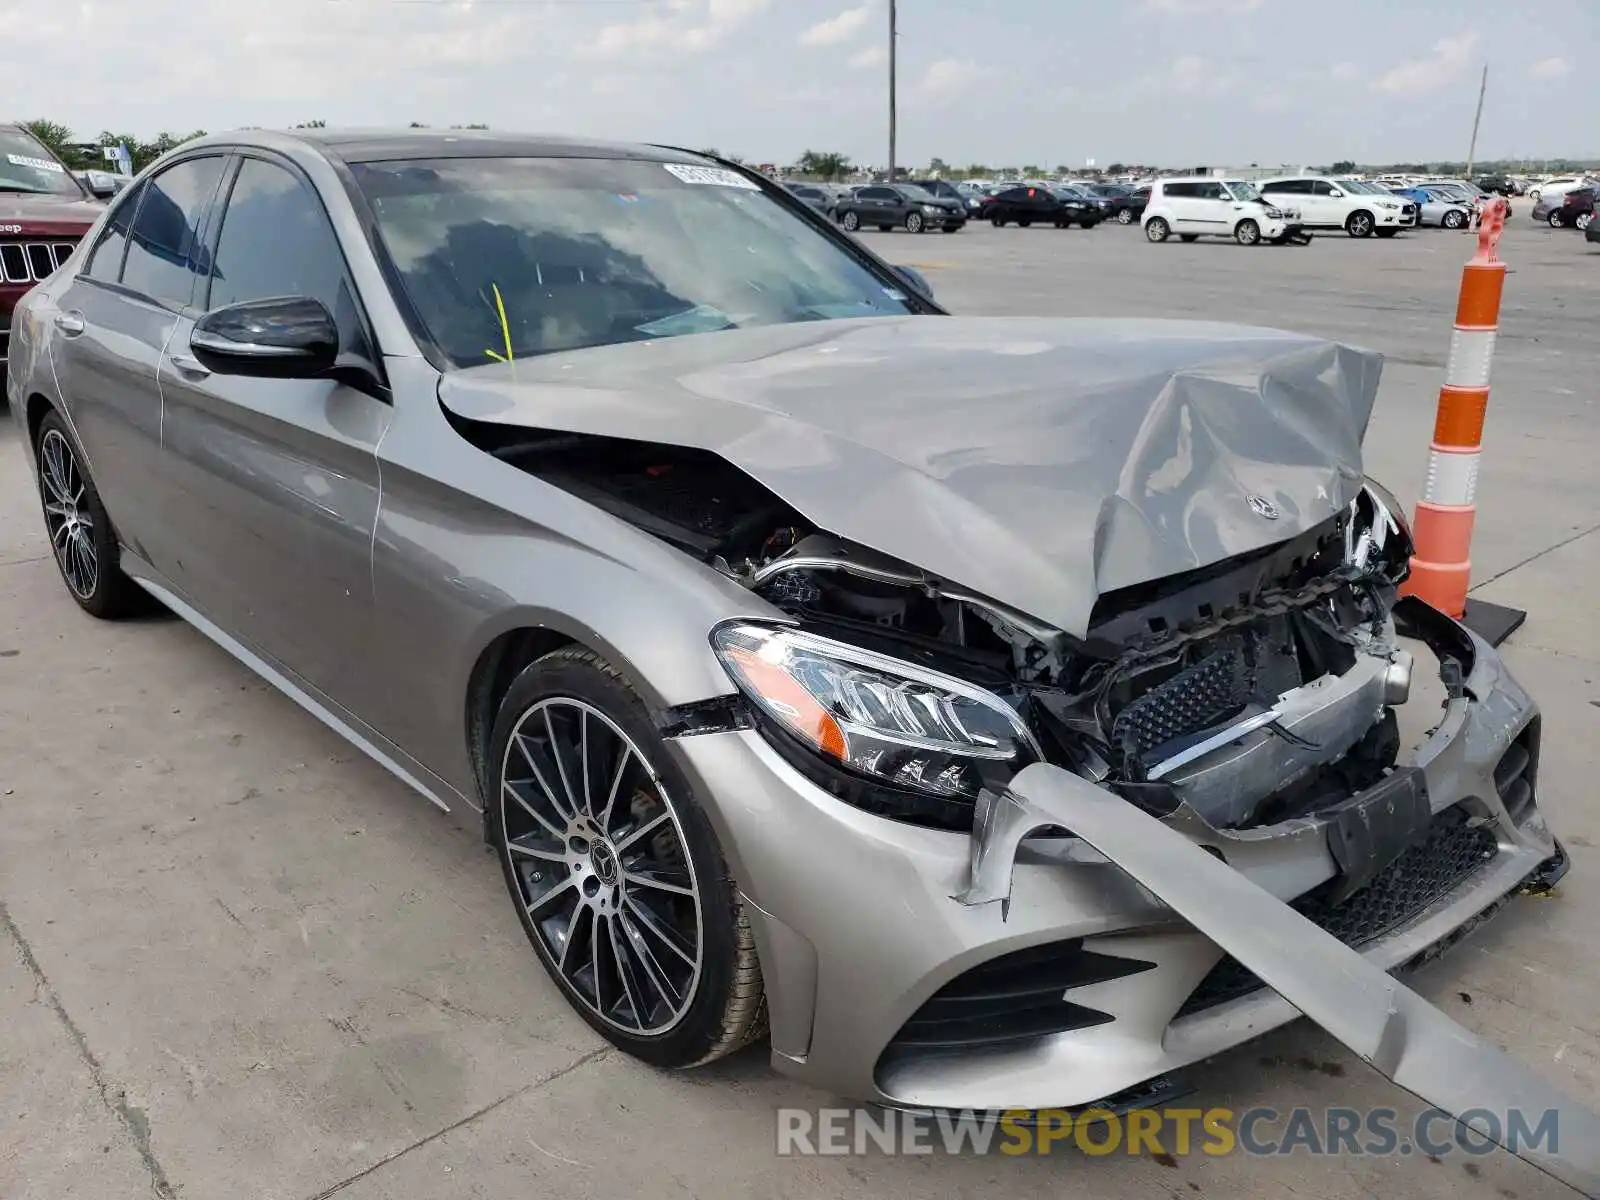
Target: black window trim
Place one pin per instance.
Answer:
(224, 198)
(143, 185)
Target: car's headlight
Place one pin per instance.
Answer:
(880, 717)
(1378, 535)
(932, 209)
(1274, 214)
(1389, 204)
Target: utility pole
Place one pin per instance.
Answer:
(1472, 149)
(892, 6)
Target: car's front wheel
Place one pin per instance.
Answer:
(1156, 229)
(914, 222)
(1247, 233)
(1455, 219)
(81, 536)
(1125, 217)
(1555, 220)
(850, 221)
(1359, 225)
(614, 869)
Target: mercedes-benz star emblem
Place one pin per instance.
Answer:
(1262, 507)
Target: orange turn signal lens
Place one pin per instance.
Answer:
(790, 701)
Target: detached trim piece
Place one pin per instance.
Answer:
(1387, 1024)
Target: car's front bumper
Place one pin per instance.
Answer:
(858, 920)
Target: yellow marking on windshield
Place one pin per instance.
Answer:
(505, 327)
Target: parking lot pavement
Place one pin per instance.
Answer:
(237, 959)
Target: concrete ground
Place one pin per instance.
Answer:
(237, 959)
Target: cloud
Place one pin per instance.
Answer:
(1451, 57)
(1188, 75)
(872, 56)
(1192, 8)
(686, 26)
(837, 29)
(948, 76)
(1345, 72)
(1550, 68)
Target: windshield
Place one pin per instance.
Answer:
(1361, 187)
(26, 166)
(1242, 190)
(510, 257)
(915, 191)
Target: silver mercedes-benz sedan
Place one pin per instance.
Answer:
(787, 637)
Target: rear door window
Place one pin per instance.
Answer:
(165, 250)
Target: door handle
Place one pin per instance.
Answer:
(190, 365)
(69, 323)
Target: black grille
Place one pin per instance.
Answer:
(30, 262)
(1408, 209)
(1213, 689)
(1013, 998)
(1450, 853)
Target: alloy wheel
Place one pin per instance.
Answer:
(601, 868)
(1555, 219)
(1125, 217)
(66, 515)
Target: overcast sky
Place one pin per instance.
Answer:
(1178, 82)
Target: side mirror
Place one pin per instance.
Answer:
(291, 337)
(915, 280)
(101, 187)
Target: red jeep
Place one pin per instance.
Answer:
(44, 211)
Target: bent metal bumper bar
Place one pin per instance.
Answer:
(1387, 1024)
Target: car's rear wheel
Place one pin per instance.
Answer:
(1454, 219)
(81, 536)
(1582, 221)
(1359, 224)
(850, 221)
(1555, 220)
(1125, 217)
(913, 222)
(1156, 229)
(615, 871)
(1247, 233)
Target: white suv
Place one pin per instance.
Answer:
(1200, 207)
(1353, 205)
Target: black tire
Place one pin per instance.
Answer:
(1454, 219)
(723, 1005)
(914, 223)
(851, 221)
(78, 528)
(1062, 224)
(1188, 237)
(1247, 232)
(1157, 230)
(1359, 224)
(1385, 233)
(1125, 217)
(1024, 222)
(998, 222)
(1555, 220)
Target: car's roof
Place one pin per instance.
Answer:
(379, 145)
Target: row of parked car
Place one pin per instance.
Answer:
(921, 205)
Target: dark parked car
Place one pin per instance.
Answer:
(1591, 232)
(1566, 210)
(1036, 205)
(903, 204)
(814, 196)
(1083, 192)
(1126, 205)
(1497, 185)
(946, 190)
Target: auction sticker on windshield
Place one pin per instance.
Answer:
(38, 164)
(712, 175)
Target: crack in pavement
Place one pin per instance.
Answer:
(115, 1099)
(1581, 534)
(584, 1060)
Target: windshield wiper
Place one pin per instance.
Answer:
(30, 191)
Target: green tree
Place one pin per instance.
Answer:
(938, 168)
(1116, 168)
(977, 170)
(312, 125)
(826, 165)
(1343, 167)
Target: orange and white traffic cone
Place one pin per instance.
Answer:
(1441, 567)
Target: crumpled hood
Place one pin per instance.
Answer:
(1041, 462)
